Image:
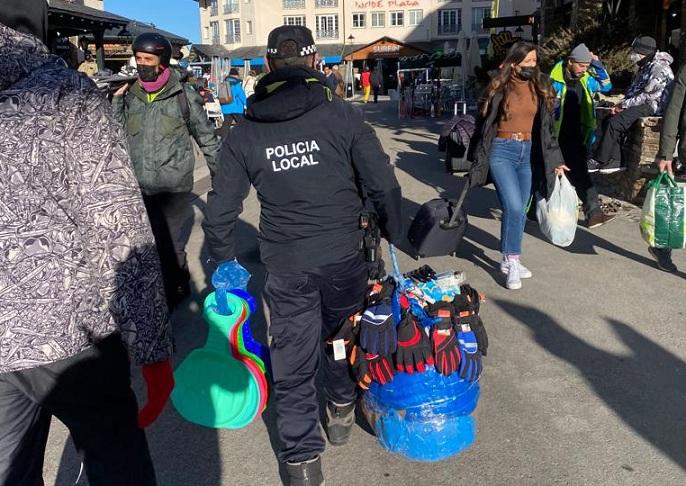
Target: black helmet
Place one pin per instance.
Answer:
(153, 43)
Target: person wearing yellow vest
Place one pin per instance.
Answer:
(575, 81)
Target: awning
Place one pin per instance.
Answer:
(255, 61)
(385, 47)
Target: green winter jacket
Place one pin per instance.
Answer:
(674, 121)
(159, 140)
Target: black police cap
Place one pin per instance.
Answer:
(302, 36)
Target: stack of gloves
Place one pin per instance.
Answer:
(399, 332)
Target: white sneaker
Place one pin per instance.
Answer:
(514, 281)
(523, 271)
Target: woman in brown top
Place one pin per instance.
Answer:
(515, 144)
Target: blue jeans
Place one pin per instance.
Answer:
(510, 167)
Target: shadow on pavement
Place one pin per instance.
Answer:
(644, 388)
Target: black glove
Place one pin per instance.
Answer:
(477, 327)
(414, 348)
(348, 330)
(466, 309)
(443, 338)
(380, 292)
(377, 330)
(367, 367)
(423, 274)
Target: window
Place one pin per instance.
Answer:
(449, 21)
(359, 20)
(214, 28)
(378, 19)
(416, 17)
(478, 16)
(214, 9)
(248, 27)
(293, 3)
(397, 19)
(294, 20)
(326, 3)
(230, 6)
(233, 31)
(327, 26)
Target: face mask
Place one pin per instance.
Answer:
(147, 73)
(526, 73)
(635, 58)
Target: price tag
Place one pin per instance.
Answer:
(339, 349)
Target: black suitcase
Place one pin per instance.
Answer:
(456, 158)
(438, 227)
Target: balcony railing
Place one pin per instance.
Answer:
(233, 39)
(326, 3)
(478, 28)
(230, 8)
(448, 29)
(215, 40)
(214, 11)
(287, 4)
(327, 34)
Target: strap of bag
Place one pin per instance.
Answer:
(452, 222)
(185, 107)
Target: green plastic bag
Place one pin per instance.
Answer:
(662, 218)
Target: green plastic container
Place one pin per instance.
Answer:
(213, 388)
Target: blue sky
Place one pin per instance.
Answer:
(181, 17)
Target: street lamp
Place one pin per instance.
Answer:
(350, 89)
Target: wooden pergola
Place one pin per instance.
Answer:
(67, 19)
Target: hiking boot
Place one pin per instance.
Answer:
(663, 258)
(306, 473)
(604, 168)
(339, 422)
(611, 167)
(514, 281)
(597, 218)
(523, 271)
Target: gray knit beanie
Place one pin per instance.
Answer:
(581, 54)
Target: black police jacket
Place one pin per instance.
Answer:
(308, 154)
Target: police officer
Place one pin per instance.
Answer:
(161, 115)
(308, 153)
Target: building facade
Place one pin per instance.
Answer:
(431, 24)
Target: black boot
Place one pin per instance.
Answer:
(306, 473)
(663, 258)
(339, 422)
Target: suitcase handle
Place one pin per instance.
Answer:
(453, 223)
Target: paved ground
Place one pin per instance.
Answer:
(584, 382)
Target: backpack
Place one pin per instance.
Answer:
(225, 95)
(185, 107)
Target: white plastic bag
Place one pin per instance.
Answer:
(558, 215)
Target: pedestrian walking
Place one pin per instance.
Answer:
(376, 81)
(575, 82)
(340, 84)
(232, 100)
(647, 96)
(672, 130)
(161, 115)
(249, 84)
(80, 281)
(330, 78)
(306, 153)
(366, 82)
(517, 157)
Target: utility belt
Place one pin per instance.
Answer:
(371, 241)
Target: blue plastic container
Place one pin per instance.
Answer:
(423, 416)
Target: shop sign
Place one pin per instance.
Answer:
(385, 4)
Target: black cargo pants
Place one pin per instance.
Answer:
(305, 309)
(91, 394)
